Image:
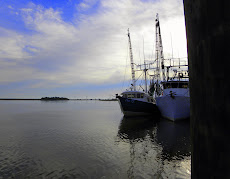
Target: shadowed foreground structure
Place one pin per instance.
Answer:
(208, 37)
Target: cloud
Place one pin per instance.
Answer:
(76, 52)
(85, 5)
(92, 47)
(11, 46)
(10, 7)
(82, 7)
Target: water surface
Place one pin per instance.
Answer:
(89, 139)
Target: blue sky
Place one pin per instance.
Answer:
(78, 48)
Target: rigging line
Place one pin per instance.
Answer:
(148, 73)
(143, 78)
(139, 76)
(143, 48)
(139, 55)
(125, 65)
(151, 58)
(149, 77)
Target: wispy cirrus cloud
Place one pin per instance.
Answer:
(85, 5)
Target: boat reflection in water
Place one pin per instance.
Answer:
(158, 148)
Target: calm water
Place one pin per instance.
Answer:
(89, 139)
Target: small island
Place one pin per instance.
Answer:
(53, 98)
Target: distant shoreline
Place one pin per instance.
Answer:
(17, 99)
(31, 99)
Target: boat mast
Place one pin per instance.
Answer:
(159, 51)
(145, 70)
(156, 54)
(132, 64)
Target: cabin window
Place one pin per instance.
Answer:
(138, 95)
(131, 95)
(142, 95)
(125, 95)
(175, 85)
(167, 85)
(184, 85)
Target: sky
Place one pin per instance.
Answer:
(79, 48)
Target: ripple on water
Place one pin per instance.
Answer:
(89, 141)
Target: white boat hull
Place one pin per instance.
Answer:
(174, 108)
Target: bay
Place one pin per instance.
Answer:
(89, 139)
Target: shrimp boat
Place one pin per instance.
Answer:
(171, 85)
(133, 102)
(174, 102)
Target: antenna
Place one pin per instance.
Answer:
(171, 44)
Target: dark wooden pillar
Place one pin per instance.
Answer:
(208, 40)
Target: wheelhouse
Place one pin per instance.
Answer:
(133, 94)
(175, 84)
(137, 95)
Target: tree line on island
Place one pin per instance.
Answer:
(53, 98)
(63, 98)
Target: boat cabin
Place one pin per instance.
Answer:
(137, 95)
(175, 87)
(175, 84)
(133, 94)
